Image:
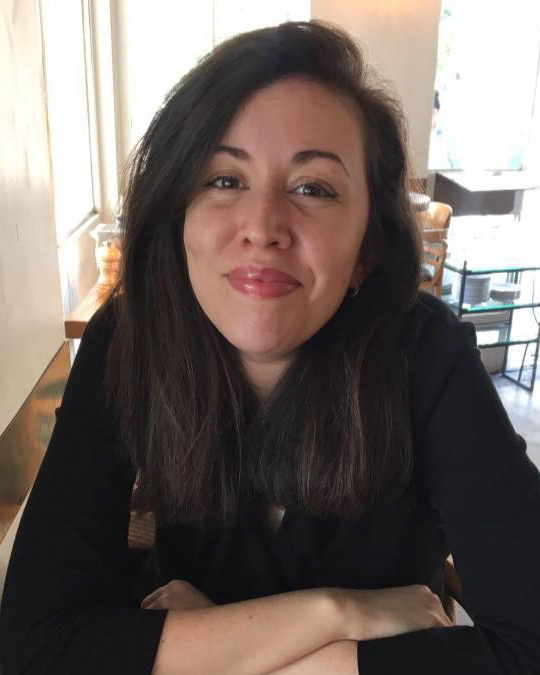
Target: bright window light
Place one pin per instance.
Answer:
(486, 79)
(67, 100)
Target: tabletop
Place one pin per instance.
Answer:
(493, 181)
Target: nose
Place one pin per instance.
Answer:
(266, 222)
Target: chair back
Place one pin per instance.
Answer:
(435, 247)
(436, 217)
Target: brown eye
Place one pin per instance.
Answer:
(225, 183)
(314, 190)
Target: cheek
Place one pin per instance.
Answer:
(205, 240)
(204, 233)
(334, 259)
(197, 253)
(334, 247)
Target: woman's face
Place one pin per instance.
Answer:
(273, 233)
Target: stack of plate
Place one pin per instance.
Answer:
(419, 201)
(505, 292)
(447, 288)
(477, 289)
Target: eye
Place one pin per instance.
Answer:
(315, 190)
(226, 183)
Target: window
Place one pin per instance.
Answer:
(236, 16)
(487, 72)
(159, 43)
(68, 102)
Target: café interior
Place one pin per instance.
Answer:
(81, 91)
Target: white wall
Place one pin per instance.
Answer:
(400, 39)
(31, 324)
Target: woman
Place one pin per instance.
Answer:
(269, 354)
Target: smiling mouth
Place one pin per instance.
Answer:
(261, 288)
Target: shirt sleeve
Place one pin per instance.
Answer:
(66, 606)
(486, 492)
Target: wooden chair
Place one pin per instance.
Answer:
(142, 530)
(436, 217)
(435, 248)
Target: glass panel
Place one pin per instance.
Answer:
(499, 335)
(493, 243)
(491, 292)
(489, 306)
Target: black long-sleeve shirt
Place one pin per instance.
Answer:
(68, 608)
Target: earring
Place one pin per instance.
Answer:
(352, 292)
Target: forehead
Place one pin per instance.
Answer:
(298, 113)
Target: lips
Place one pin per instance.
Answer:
(262, 282)
(263, 274)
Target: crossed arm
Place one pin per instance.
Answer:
(240, 638)
(316, 629)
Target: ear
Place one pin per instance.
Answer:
(357, 276)
(364, 266)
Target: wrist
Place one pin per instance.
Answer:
(340, 614)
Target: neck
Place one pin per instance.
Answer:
(264, 375)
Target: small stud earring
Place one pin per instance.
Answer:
(352, 292)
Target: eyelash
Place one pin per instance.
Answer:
(325, 193)
(212, 183)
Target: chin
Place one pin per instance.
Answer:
(261, 350)
(263, 347)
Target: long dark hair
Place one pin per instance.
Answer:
(334, 435)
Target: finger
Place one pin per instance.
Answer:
(147, 600)
(444, 618)
(155, 595)
(159, 591)
(155, 605)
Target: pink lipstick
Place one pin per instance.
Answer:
(264, 282)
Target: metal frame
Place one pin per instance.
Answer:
(515, 274)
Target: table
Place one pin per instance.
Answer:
(76, 322)
(484, 192)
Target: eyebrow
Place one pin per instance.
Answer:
(299, 158)
(235, 152)
(306, 155)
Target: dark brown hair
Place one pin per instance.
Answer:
(334, 435)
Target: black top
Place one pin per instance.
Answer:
(68, 608)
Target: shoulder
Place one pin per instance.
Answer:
(437, 346)
(102, 322)
(88, 369)
(99, 330)
(432, 329)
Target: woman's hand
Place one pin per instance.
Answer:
(176, 594)
(386, 612)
